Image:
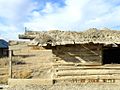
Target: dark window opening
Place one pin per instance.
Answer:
(49, 41)
(48, 46)
(111, 55)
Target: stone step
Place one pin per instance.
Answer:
(3, 87)
(86, 72)
(67, 68)
(88, 79)
(76, 64)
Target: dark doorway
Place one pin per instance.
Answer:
(111, 55)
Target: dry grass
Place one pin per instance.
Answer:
(15, 60)
(27, 63)
(22, 74)
(4, 61)
(4, 79)
(4, 70)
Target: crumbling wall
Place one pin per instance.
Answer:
(84, 53)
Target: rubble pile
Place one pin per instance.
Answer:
(58, 37)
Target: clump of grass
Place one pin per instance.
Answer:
(4, 80)
(4, 61)
(22, 74)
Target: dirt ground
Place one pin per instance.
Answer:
(70, 87)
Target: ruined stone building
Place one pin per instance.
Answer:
(93, 54)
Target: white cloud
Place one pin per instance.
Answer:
(109, 19)
(76, 15)
(61, 18)
(11, 9)
(6, 28)
(9, 31)
(13, 13)
(48, 9)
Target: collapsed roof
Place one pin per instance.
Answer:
(57, 37)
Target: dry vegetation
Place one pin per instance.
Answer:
(22, 74)
(30, 63)
(3, 62)
(3, 70)
(26, 63)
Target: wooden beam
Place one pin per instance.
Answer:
(10, 63)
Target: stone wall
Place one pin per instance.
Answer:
(84, 53)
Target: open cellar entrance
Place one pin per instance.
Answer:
(111, 55)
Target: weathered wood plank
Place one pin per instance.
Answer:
(87, 72)
(13, 82)
(90, 77)
(85, 68)
(10, 63)
(76, 64)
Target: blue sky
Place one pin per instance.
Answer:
(39, 15)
